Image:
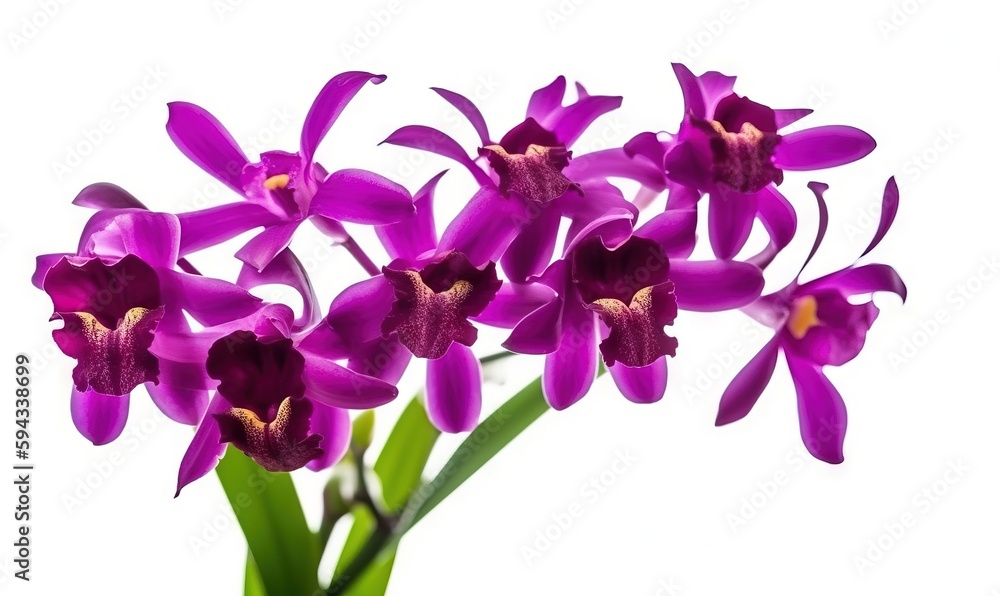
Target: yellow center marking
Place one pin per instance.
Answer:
(803, 317)
(276, 182)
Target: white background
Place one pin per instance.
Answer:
(690, 515)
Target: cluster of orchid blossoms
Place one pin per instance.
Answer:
(279, 386)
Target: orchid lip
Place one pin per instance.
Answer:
(535, 174)
(433, 305)
(270, 418)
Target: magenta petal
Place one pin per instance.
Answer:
(328, 105)
(360, 196)
(710, 286)
(674, 230)
(99, 418)
(861, 280)
(206, 142)
(104, 195)
(531, 250)
(215, 225)
(540, 332)
(153, 237)
(615, 163)
(334, 425)
(206, 448)
(890, 202)
(783, 118)
(546, 100)
(263, 247)
(430, 139)
(414, 236)
(208, 300)
(285, 269)
(730, 219)
(682, 197)
(641, 385)
(513, 302)
(385, 359)
(454, 390)
(743, 392)
(702, 93)
(485, 227)
(331, 384)
(42, 265)
(822, 147)
(779, 219)
(356, 313)
(469, 110)
(570, 370)
(178, 403)
(822, 413)
(572, 120)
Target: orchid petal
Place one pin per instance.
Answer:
(709, 286)
(99, 418)
(822, 147)
(674, 230)
(539, 332)
(730, 219)
(866, 279)
(890, 203)
(412, 237)
(206, 448)
(334, 385)
(215, 225)
(469, 110)
(641, 385)
(328, 105)
(744, 390)
(779, 219)
(285, 269)
(263, 247)
(546, 100)
(430, 139)
(513, 302)
(454, 390)
(570, 122)
(485, 227)
(531, 250)
(104, 195)
(571, 369)
(334, 425)
(615, 163)
(206, 142)
(822, 413)
(783, 118)
(360, 196)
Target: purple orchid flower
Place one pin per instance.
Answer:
(283, 189)
(729, 147)
(527, 181)
(623, 294)
(282, 403)
(420, 306)
(117, 296)
(816, 326)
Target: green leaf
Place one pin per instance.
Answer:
(402, 461)
(492, 435)
(268, 509)
(253, 585)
